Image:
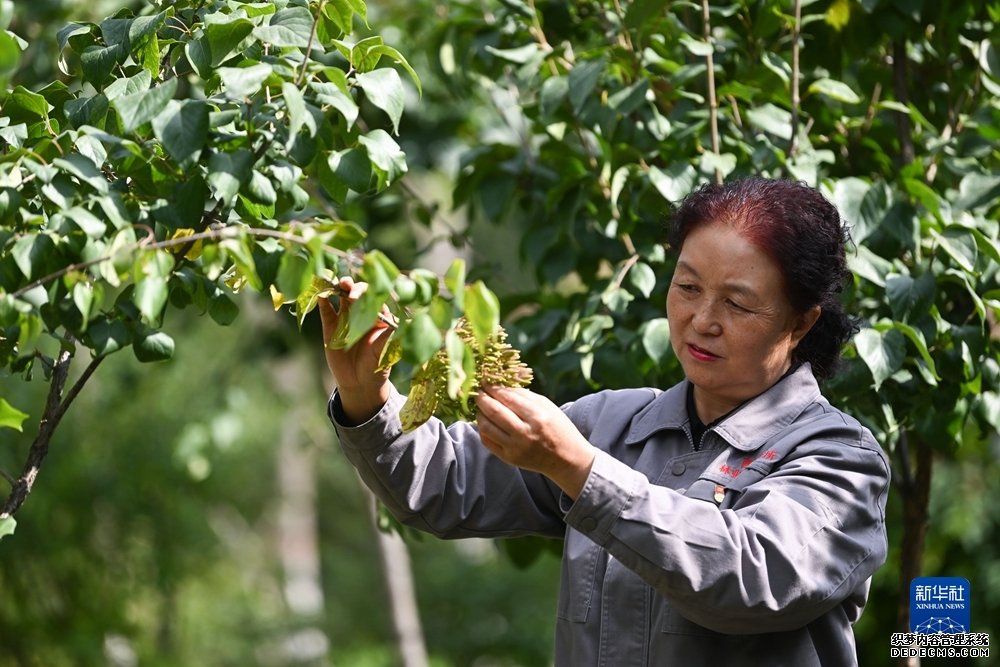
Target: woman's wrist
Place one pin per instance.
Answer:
(571, 476)
(359, 404)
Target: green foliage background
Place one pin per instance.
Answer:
(544, 147)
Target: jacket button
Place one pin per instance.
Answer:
(588, 523)
(678, 468)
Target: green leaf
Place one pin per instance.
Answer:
(656, 338)
(386, 156)
(379, 271)
(261, 189)
(365, 314)
(384, 90)
(11, 417)
(482, 310)
(84, 170)
(711, 162)
(7, 526)
(582, 79)
(834, 89)
(978, 190)
(643, 278)
(696, 47)
(26, 101)
(917, 338)
(459, 363)
(99, 61)
(454, 282)
(290, 27)
(153, 346)
(143, 27)
(331, 94)
(227, 172)
(30, 253)
(675, 182)
(298, 114)
(244, 82)
(883, 353)
(107, 336)
(87, 111)
(518, 55)
(385, 50)
(222, 309)
(420, 339)
(10, 55)
(140, 108)
(351, 167)
(152, 284)
(959, 244)
(217, 44)
(909, 299)
(294, 274)
(771, 119)
(182, 128)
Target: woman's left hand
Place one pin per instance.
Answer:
(529, 431)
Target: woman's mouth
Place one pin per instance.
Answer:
(701, 354)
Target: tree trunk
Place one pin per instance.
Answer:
(398, 575)
(916, 493)
(297, 532)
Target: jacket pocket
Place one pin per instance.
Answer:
(580, 566)
(669, 620)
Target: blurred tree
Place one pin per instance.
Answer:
(568, 130)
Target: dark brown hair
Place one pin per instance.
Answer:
(803, 233)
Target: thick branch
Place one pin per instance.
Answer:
(55, 408)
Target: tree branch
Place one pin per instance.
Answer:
(55, 408)
(900, 81)
(212, 234)
(796, 33)
(713, 103)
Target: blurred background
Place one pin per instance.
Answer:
(198, 512)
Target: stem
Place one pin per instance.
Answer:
(796, 32)
(54, 410)
(309, 44)
(915, 519)
(713, 103)
(900, 83)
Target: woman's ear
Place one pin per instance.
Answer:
(805, 322)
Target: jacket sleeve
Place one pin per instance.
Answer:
(443, 481)
(792, 546)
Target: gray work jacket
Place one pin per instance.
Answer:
(756, 548)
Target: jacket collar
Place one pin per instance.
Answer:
(747, 427)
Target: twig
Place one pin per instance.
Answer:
(713, 103)
(309, 44)
(213, 234)
(796, 32)
(900, 83)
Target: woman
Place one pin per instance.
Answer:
(735, 518)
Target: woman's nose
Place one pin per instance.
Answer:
(705, 320)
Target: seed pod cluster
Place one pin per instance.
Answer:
(496, 362)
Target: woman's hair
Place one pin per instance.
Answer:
(803, 233)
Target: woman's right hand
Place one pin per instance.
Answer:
(363, 389)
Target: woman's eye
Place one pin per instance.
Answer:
(687, 287)
(738, 307)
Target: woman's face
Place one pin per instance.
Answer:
(731, 325)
